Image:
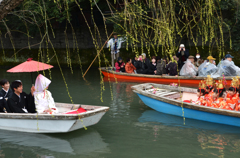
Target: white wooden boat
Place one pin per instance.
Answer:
(53, 123)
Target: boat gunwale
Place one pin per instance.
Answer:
(179, 103)
(159, 76)
(35, 116)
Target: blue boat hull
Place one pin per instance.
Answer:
(189, 113)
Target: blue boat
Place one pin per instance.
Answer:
(169, 100)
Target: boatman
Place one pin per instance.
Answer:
(20, 102)
(115, 44)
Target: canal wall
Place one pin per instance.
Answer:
(86, 50)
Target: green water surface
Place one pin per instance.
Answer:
(129, 129)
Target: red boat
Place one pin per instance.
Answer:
(143, 78)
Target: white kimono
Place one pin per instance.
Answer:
(43, 98)
(188, 69)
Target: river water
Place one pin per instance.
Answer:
(128, 129)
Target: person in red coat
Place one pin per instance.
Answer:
(120, 65)
(129, 67)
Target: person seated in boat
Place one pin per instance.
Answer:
(120, 65)
(233, 95)
(141, 66)
(218, 98)
(198, 61)
(129, 67)
(152, 66)
(134, 60)
(201, 94)
(145, 59)
(172, 67)
(43, 98)
(209, 88)
(188, 68)
(5, 93)
(19, 101)
(208, 67)
(161, 67)
(227, 67)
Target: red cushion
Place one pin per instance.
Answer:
(187, 101)
(78, 111)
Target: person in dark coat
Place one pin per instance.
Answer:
(152, 66)
(182, 54)
(134, 60)
(19, 101)
(161, 67)
(172, 67)
(141, 66)
(146, 60)
(5, 93)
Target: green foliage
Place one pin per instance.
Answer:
(231, 15)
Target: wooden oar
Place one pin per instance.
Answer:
(97, 55)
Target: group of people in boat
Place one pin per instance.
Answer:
(142, 65)
(181, 64)
(215, 94)
(39, 100)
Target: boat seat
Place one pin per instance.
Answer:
(171, 93)
(163, 93)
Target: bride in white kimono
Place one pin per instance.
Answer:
(43, 98)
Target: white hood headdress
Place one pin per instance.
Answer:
(41, 83)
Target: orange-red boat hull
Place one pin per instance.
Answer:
(124, 77)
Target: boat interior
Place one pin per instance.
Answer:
(63, 107)
(172, 92)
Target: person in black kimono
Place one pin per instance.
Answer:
(5, 93)
(19, 101)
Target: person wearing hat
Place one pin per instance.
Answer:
(188, 68)
(182, 54)
(115, 44)
(227, 68)
(120, 65)
(229, 57)
(208, 67)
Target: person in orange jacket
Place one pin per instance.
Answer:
(129, 67)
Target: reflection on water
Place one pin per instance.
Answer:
(215, 139)
(75, 143)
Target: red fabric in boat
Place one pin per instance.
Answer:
(78, 111)
(187, 101)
